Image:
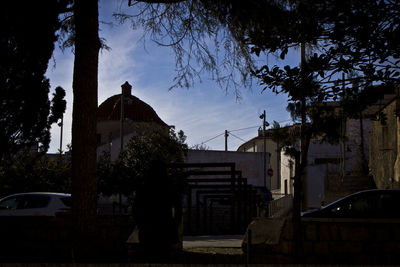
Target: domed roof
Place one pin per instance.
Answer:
(134, 109)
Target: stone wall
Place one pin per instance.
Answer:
(335, 241)
(383, 148)
(337, 186)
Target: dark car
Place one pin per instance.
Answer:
(364, 204)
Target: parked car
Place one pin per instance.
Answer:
(364, 204)
(35, 204)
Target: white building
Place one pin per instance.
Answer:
(328, 164)
(256, 144)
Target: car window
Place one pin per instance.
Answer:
(9, 203)
(35, 202)
(341, 209)
(66, 201)
(372, 205)
(32, 202)
(390, 207)
(356, 206)
(366, 206)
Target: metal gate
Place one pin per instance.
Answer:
(218, 199)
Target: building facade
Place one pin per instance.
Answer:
(330, 166)
(272, 158)
(384, 146)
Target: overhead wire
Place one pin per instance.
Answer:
(244, 128)
(212, 138)
(237, 137)
(236, 130)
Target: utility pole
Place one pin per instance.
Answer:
(226, 140)
(61, 124)
(121, 135)
(265, 151)
(126, 87)
(263, 116)
(121, 124)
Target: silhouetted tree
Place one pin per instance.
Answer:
(26, 45)
(130, 170)
(144, 173)
(36, 173)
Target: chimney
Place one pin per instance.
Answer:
(126, 89)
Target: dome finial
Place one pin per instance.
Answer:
(126, 89)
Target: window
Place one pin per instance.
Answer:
(327, 160)
(33, 202)
(373, 205)
(66, 201)
(286, 187)
(9, 203)
(385, 138)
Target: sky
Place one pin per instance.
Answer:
(203, 111)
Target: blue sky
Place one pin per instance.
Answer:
(202, 112)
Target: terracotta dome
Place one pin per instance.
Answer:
(134, 109)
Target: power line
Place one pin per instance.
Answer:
(252, 127)
(244, 128)
(236, 130)
(212, 138)
(237, 137)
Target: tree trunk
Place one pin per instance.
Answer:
(84, 184)
(301, 181)
(297, 200)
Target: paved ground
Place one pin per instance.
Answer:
(216, 241)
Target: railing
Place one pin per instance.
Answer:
(280, 207)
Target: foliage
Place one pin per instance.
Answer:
(198, 39)
(200, 147)
(36, 173)
(26, 45)
(358, 38)
(131, 169)
(286, 138)
(144, 172)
